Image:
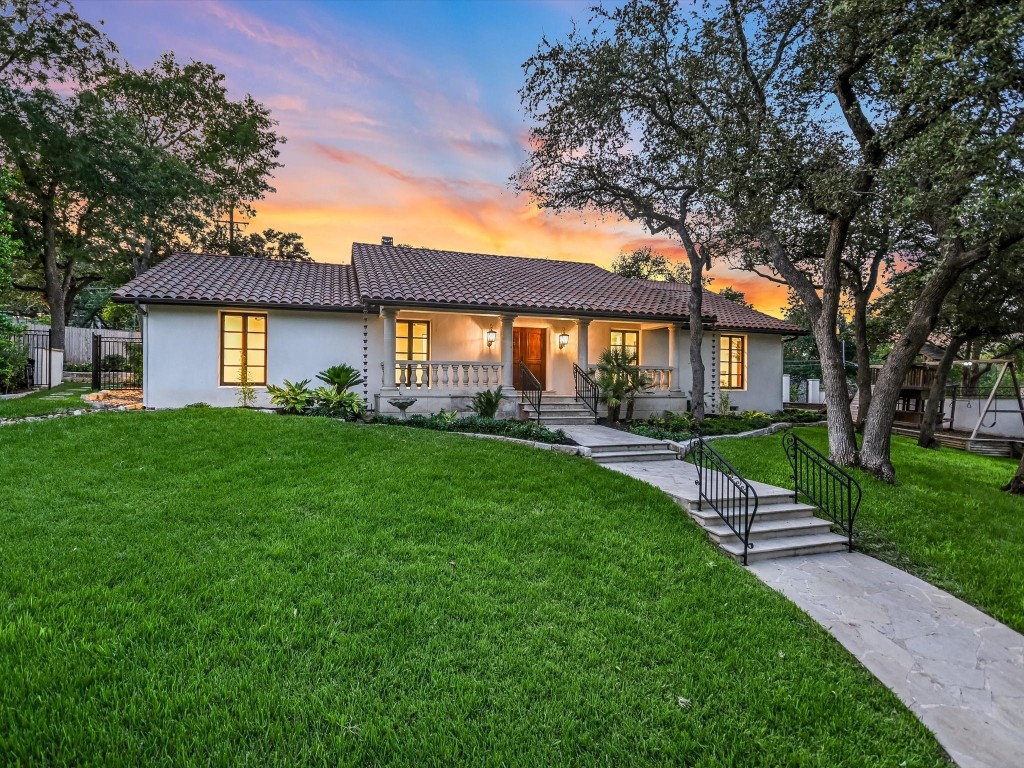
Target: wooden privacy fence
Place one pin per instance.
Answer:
(78, 341)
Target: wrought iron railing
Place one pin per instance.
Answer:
(726, 491)
(116, 362)
(823, 484)
(530, 388)
(586, 389)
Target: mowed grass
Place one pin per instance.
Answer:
(43, 402)
(236, 588)
(945, 520)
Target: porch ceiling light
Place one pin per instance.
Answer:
(563, 340)
(491, 335)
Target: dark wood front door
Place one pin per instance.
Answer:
(529, 347)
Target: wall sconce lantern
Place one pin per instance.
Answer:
(563, 340)
(491, 335)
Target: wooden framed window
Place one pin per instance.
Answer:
(243, 336)
(412, 342)
(732, 368)
(627, 342)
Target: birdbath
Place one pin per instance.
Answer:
(402, 403)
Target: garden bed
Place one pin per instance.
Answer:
(681, 426)
(450, 422)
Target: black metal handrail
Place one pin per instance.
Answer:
(726, 491)
(530, 388)
(823, 484)
(586, 389)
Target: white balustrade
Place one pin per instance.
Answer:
(442, 375)
(660, 377)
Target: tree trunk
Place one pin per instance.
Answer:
(860, 334)
(874, 455)
(937, 395)
(842, 441)
(1016, 484)
(697, 257)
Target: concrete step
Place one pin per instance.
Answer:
(786, 546)
(781, 511)
(765, 500)
(620, 447)
(762, 530)
(614, 457)
(546, 406)
(555, 420)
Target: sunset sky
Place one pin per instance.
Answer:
(402, 119)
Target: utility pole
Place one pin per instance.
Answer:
(232, 224)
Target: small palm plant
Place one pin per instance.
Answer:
(487, 403)
(620, 380)
(342, 377)
(293, 398)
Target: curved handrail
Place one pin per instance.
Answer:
(530, 387)
(586, 388)
(823, 483)
(726, 491)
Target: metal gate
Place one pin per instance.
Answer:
(116, 363)
(37, 345)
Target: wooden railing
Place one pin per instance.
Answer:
(442, 375)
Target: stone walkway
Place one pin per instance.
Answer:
(960, 671)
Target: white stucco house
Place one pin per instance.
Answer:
(437, 326)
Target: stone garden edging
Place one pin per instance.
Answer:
(683, 447)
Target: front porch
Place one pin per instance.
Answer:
(443, 358)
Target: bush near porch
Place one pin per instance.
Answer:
(222, 586)
(946, 520)
(681, 426)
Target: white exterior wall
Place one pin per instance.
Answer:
(1007, 424)
(181, 353)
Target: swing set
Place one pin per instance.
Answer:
(1005, 366)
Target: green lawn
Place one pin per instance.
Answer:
(209, 586)
(62, 398)
(946, 520)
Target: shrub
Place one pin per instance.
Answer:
(13, 356)
(523, 430)
(292, 398)
(342, 377)
(134, 360)
(199, 405)
(799, 416)
(487, 403)
(325, 401)
(114, 362)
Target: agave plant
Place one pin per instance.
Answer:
(486, 403)
(293, 398)
(342, 377)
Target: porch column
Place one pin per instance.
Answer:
(583, 343)
(506, 351)
(677, 353)
(388, 372)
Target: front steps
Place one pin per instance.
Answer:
(559, 409)
(781, 528)
(615, 454)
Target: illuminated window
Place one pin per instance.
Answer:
(412, 342)
(243, 337)
(627, 342)
(733, 362)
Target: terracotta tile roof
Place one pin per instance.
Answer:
(419, 276)
(201, 278)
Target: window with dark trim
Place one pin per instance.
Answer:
(243, 340)
(627, 342)
(412, 342)
(732, 369)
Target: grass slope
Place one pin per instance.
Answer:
(946, 519)
(60, 399)
(237, 588)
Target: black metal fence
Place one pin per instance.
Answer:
(531, 389)
(586, 388)
(726, 491)
(116, 363)
(823, 484)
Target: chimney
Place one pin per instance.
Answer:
(387, 240)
